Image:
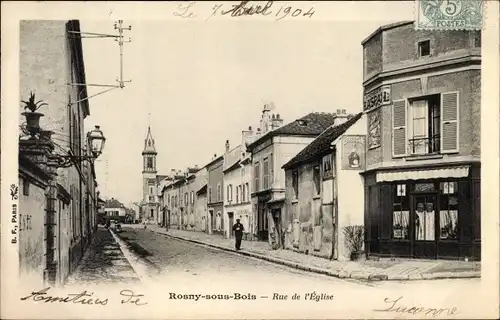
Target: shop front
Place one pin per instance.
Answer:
(425, 213)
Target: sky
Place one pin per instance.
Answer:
(204, 82)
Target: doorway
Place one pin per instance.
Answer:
(424, 225)
(230, 215)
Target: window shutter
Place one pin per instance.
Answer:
(449, 122)
(271, 170)
(399, 143)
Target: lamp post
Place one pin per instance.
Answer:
(96, 142)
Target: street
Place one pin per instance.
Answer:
(174, 258)
(173, 272)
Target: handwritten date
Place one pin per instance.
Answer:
(246, 9)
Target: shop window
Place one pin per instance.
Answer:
(295, 183)
(448, 214)
(401, 213)
(317, 180)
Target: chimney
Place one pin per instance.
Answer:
(247, 137)
(227, 145)
(258, 134)
(276, 121)
(341, 117)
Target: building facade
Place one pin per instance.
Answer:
(422, 174)
(237, 179)
(150, 202)
(197, 210)
(275, 145)
(52, 67)
(215, 196)
(323, 188)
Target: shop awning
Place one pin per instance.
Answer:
(422, 174)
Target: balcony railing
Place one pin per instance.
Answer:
(425, 145)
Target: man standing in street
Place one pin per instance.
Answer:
(238, 233)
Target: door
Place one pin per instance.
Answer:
(231, 223)
(424, 226)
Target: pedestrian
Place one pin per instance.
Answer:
(238, 233)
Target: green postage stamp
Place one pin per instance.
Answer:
(449, 14)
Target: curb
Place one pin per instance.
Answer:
(337, 274)
(140, 267)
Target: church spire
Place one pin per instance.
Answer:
(149, 143)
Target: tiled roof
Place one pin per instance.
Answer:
(312, 124)
(322, 143)
(113, 203)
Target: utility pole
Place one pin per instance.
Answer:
(118, 26)
(118, 38)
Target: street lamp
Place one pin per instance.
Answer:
(95, 139)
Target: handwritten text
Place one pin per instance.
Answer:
(395, 306)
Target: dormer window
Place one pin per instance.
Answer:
(424, 48)
(302, 122)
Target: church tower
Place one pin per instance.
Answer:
(150, 197)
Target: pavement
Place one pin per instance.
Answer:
(103, 263)
(371, 270)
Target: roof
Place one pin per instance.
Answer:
(113, 203)
(386, 27)
(236, 164)
(149, 144)
(219, 158)
(202, 190)
(312, 124)
(322, 143)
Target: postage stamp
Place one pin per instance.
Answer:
(449, 14)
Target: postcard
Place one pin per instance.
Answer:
(250, 160)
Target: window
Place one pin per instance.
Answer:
(265, 177)
(400, 213)
(152, 213)
(209, 194)
(243, 192)
(295, 183)
(247, 192)
(176, 201)
(186, 202)
(237, 194)
(26, 187)
(424, 48)
(477, 39)
(192, 197)
(424, 127)
(219, 192)
(448, 214)
(257, 177)
(150, 163)
(317, 180)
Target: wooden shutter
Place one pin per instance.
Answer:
(399, 141)
(449, 122)
(271, 170)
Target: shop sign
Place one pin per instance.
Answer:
(353, 152)
(377, 97)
